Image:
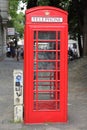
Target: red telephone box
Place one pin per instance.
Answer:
(45, 65)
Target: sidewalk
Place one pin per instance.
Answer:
(77, 104)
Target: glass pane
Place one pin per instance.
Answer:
(58, 65)
(46, 45)
(58, 45)
(47, 65)
(34, 34)
(45, 75)
(46, 55)
(35, 105)
(44, 96)
(58, 55)
(46, 105)
(58, 75)
(46, 35)
(34, 55)
(50, 85)
(58, 105)
(58, 35)
(35, 65)
(34, 86)
(58, 95)
(35, 96)
(58, 85)
(34, 76)
(34, 47)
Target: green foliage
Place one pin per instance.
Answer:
(17, 20)
(43, 2)
(13, 5)
(74, 7)
(75, 17)
(19, 24)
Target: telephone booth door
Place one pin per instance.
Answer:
(46, 75)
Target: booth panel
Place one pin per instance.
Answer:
(47, 91)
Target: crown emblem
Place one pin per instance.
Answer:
(47, 13)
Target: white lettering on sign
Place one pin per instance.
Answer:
(47, 19)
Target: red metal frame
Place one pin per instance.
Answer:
(45, 69)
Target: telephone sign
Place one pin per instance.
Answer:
(46, 19)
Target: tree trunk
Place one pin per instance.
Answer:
(80, 46)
